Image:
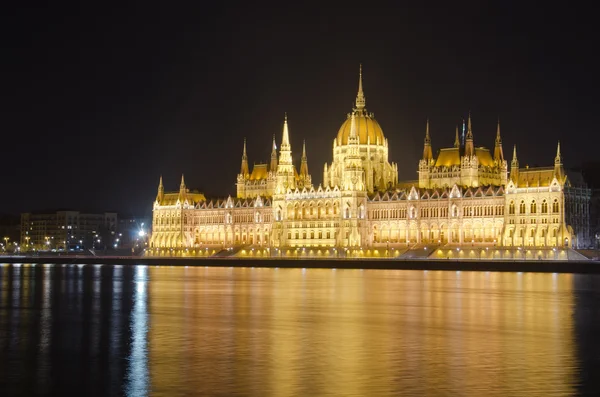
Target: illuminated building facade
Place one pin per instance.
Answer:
(62, 230)
(465, 196)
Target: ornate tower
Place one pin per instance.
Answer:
(469, 148)
(285, 169)
(182, 189)
(514, 167)
(304, 176)
(427, 155)
(244, 169)
(161, 191)
(457, 139)
(426, 161)
(558, 166)
(469, 172)
(498, 154)
(243, 175)
(354, 174)
(273, 165)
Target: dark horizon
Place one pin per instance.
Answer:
(100, 102)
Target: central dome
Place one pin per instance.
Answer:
(367, 129)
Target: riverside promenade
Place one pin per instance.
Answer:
(538, 266)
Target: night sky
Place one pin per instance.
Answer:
(98, 102)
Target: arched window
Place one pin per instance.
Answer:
(533, 207)
(522, 207)
(555, 206)
(511, 208)
(544, 207)
(454, 210)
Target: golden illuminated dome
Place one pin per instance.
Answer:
(367, 129)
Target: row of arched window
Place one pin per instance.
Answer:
(533, 207)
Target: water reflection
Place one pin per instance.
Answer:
(118, 330)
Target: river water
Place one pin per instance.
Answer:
(96, 330)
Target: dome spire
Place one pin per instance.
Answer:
(360, 97)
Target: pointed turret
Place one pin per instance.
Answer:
(182, 185)
(469, 149)
(498, 154)
(304, 162)
(273, 165)
(427, 155)
(286, 174)
(182, 190)
(285, 152)
(360, 97)
(514, 166)
(353, 137)
(161, 190)
(244, 171)
(558, 166)
(456, 139)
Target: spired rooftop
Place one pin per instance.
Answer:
(464, 198)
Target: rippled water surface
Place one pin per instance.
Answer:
(163, 331)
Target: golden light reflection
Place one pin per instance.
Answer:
(289, 332)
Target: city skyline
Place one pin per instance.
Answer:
(99, 106)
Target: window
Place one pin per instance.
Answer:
(555, 206)
(544, 207)
(522, 207)
(533, 207)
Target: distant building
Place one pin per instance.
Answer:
(131, 230)
(465, 196)
(67, 230)
(9, 232)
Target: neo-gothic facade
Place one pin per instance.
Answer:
(465, 195)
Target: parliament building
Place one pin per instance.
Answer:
(468, 200)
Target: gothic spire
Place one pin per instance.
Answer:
(469, 149)
(273, 166)
(304, 161)
(244, 168)
(498, 154)
(469, 130)
(427, 154)
(360, 97)
(514, 166)
(456, 139)
(285, 151)
(558, 167)
(515, 161)
(161, 190)
(285, 140)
